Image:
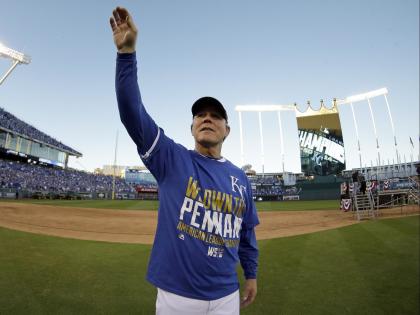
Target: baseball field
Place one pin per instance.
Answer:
(90, 257)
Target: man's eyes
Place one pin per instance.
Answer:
(213, 115)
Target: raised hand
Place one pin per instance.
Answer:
(124, 30)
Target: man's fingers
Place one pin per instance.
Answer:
(122, 13)
(130, 22)
(113, 24)
(244, 299)
(126, 17)
(248, 298)
(245, 302)
(117, 17)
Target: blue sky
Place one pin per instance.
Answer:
(241, 52)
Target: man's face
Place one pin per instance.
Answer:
(209, 128)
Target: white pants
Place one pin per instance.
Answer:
(172, 304)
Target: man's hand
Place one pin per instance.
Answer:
(249, 293)
(124, 30)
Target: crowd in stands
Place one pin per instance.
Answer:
(9, 121)
(265, 180)
(23, 176)
(267, 191)
(267, 185)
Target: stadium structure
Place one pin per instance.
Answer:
(323, 165)
(29, 143)
(34, 164)
(143, 181)
(15, 56)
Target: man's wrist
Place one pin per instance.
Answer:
(126, 56)
(126, 50)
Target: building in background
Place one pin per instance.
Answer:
(139, 176)
(109, 170)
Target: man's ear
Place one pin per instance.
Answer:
(191, 128)
(227, 132)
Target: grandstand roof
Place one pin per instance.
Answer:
(11, 123)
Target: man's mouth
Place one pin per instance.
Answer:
(206, 129)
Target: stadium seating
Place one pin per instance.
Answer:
(10, 122)
(23, 176)
(266, 186)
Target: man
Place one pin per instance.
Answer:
(206, 214)
(362, 181)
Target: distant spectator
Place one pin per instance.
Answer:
(362, 181)
(355, 176)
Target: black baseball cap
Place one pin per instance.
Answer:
(208, 101)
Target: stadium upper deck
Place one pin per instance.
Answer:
(19, 137)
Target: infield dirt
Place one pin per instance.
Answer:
(136, 226)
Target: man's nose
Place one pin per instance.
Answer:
(207, 117)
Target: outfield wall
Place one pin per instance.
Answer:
(10, 193)
(309, 191)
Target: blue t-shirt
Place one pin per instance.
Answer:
(206, 215)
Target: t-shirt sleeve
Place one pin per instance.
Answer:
(250, 219)
(143, 130)
(248, 247)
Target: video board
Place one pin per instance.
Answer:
(321, 141)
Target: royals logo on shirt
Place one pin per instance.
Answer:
(236, 187)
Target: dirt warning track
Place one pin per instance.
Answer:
(137, 226)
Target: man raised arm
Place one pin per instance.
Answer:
(206, 215)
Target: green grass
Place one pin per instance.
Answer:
(367, 268)
(49, 275)
(153, 205)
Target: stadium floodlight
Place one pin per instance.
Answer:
(15, 56)
(259, 109)
(366, 97)
(363, 96)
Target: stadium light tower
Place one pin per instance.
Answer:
(259, 109)
(366, 97)
(15, 56)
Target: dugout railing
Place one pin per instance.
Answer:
(381, 195)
